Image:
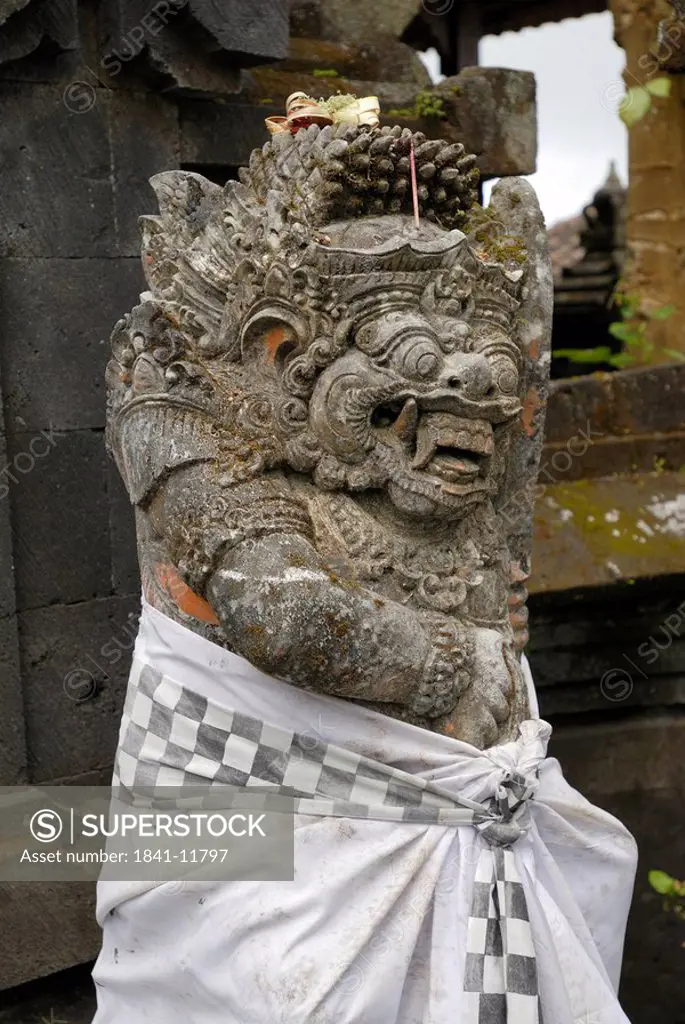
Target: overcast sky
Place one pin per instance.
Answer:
(578, 70)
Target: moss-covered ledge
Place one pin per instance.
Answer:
(611, 490)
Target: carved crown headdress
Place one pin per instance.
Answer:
(278, 235)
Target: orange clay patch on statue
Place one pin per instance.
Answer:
(273, 340)
(185, 599)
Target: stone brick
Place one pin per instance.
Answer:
(68, 995)
(638, 401)
(355, 22)
(12, 739)
(56, 198)
(26, 25)
(52, 926)
(609, 650)
(61, 519)
(76, 662)
(144, 140)
(633, 769)
(243, 28)
(594, 532)
(222, 134)
(57, 318)
(7, 596)
(98, 148)
(494, 109)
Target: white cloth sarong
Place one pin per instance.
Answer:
(382, 923)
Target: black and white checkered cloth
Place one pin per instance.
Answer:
(173, 738)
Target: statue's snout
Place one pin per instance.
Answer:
(467, 373)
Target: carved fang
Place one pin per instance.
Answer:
(426, 448)
(406, 423)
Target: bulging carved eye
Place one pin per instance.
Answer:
(504, 374)
(419, 359)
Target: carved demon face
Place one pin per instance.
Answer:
(402, 378)
(425, 403)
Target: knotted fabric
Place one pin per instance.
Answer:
(403, 792)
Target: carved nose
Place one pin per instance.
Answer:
(468, 373)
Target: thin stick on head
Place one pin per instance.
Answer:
(414, 187)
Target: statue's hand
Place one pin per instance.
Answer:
(497, 676)
(446, 672)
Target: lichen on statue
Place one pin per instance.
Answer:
(316, 408)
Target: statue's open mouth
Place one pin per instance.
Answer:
(454, 449)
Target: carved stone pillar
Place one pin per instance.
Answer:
(656, 196)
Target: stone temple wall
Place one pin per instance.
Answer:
(608, 634)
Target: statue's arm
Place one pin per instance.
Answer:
(282, 607)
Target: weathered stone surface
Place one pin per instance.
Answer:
(494, 108)
(12, 743)
(116, 140)
(377, 59)
(52, 926)
(12, 739)
(24, 25)
(353, 21)
(230, 371)
(629, 404)
(60, 518)
(144, 140)
(196, 44)
(122, 529)
(76, 660)
(634, 770)
(7, 596)
(55, 315)
(241, 27)
(81, 223)
(593, 532)
(212, 133)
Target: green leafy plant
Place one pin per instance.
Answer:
(429, 105)
(325, 73)
(671, 889)
(631, 331)
(638, 99)
(426, 104)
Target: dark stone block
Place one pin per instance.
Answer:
(53, 926)
(122, 528)
(12, 739)
(640, 401)
(60, 519)
(76, 662)
(7, 598)
(25, 25)
(56, 198)
(633, 769)
(93, 147)
(54, 331)
(245, 28)
(220, 134)
(43, 66)
(144, 136)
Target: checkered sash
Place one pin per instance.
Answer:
(173, 737)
